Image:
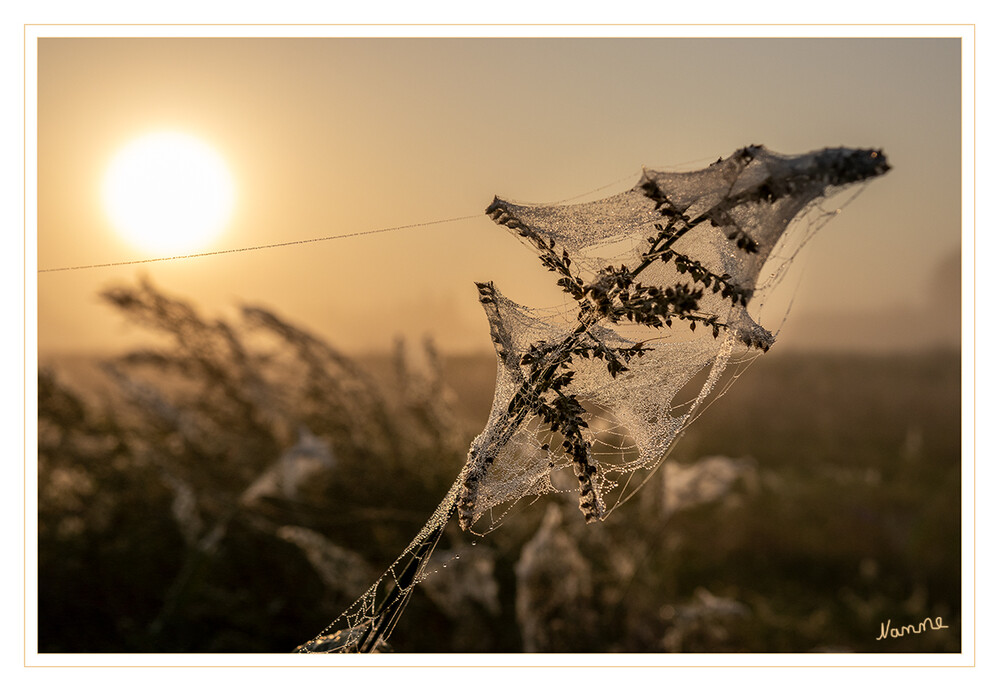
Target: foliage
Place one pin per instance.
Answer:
(160, 530)
(192, 477)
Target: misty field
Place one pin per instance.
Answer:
(237, 490)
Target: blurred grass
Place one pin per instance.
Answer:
(855, 519)
(857, 516)
(850, 518)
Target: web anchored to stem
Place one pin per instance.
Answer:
(589, 395)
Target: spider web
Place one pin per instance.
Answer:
(664, 280)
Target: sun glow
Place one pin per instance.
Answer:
(168, 192)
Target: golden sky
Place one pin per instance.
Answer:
(343, 135)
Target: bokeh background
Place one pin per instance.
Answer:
(232, 447)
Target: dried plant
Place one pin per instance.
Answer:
(251, 441)
(596, 390)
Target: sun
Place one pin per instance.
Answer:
(168, 192)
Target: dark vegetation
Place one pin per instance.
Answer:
(239, 487)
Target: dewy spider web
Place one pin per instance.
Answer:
(659, 281)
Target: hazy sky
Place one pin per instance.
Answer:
(336, 136)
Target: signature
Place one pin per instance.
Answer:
(889, 631)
